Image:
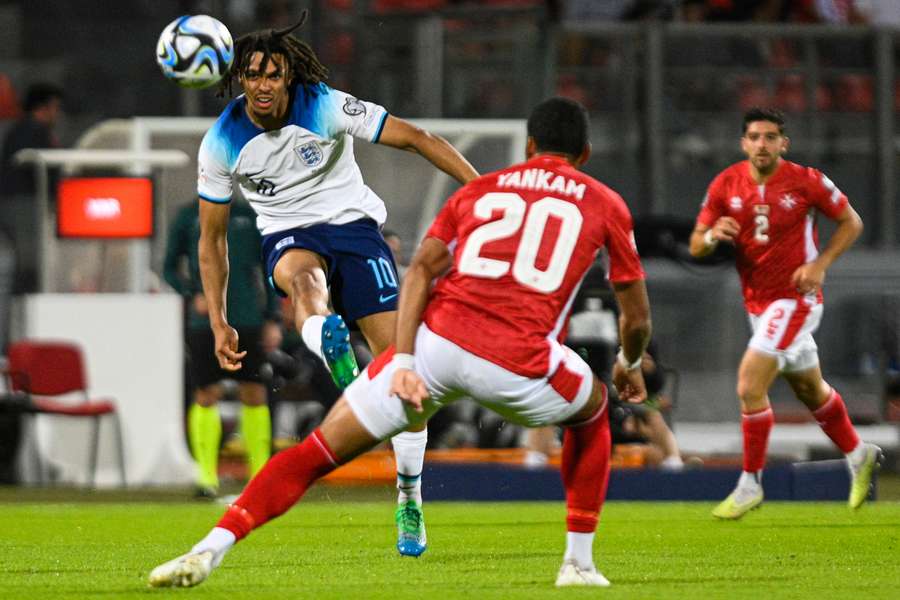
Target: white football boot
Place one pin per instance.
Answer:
(572, 574)
(187, 570)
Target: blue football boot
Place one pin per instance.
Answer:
(410, 529)
(338, 352)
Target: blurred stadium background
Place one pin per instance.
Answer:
(665, 81)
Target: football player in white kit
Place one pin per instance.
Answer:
(286, 146)
(508, 252)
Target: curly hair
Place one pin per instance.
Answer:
(303, 66)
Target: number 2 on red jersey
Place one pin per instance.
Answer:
(524, 269)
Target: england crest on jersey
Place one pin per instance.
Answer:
(310, 153)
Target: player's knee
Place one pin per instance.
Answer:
(750, 393)
(811, 393)
(304, 282)
(207, 396)
(253, 394)
(595, 403)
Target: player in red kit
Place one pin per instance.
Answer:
(509, 251)
(766, 206)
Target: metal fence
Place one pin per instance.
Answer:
(666, 99)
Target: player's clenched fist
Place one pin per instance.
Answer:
(725, 229)
(808, 278)
(227, 348)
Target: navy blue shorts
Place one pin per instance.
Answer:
(361, 273)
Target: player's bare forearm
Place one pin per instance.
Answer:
(413, 297)
(213, 257)
(445, 157)
(404, 135)
(698, 246)
(704, 239)
(430, 261)
(849, 228)
(634, 318)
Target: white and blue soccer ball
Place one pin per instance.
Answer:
(195, 51)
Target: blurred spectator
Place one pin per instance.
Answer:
(9, 104)
(629, 423)
(650, 10)
(885, 13)
(764, 11)
(644, 423)
(252, 306)
(752, 92)
(855, 93)
(579, 11)
(35, 129)
(568, 86)
(692, 11)
(396, 245)
(835, 12)
(790, 93)
(43, 107)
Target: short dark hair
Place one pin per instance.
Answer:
(303, 66)
(559, 125)
(40, 94)
(772, 115)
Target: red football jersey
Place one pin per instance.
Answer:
(522, 240)
(778, 225)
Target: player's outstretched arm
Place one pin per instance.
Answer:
(634, 333)
(809, 277)
(431, 260)
(213, 255)
(438, 151)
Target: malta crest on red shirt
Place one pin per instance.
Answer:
(787, 201)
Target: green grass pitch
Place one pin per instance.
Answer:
(327, 549)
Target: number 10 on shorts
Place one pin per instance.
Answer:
(384, 273)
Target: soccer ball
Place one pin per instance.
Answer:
(195, 51)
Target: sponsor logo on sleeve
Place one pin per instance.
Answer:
(736, 203)
(354, 107)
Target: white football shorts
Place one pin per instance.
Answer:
(450, 373)
(785, 330)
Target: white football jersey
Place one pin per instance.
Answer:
(301, 174)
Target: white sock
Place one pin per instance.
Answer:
(311, 332)
(858, 454)
(750, 480)
(409, 452)
(535, 458)
(580, 548)
(672, 463)
(218, 541)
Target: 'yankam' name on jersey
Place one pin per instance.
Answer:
(539, 179)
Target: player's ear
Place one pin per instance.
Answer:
(786, 144)
(530, 148)
(584, 156)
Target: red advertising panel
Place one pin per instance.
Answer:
(105, 207)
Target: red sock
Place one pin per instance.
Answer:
(279, 485)
(585, 471)
(834, 421)
(756, 427)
